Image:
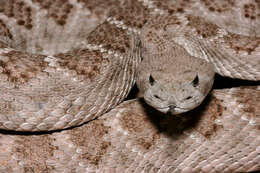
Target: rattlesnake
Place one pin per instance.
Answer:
(56, 74)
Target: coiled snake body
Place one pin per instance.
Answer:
(60, 68)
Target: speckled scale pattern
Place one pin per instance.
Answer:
(17, 68)
(19, 11)
(5, 32)
(111, 38)
(134, 138)
(65, 75)
(87, 64)
(220, 136)
(173, 7)
(219, 6)
(133, 14)
(229, 42)
(57, 9)
(246, 20)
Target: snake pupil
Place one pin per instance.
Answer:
(151, 80)
(195, 82)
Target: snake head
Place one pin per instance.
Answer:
(174, 85)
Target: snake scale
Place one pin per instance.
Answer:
(67, 62)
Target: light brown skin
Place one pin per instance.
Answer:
(171, 80)
(55, 74)
(180, 62)
(80, 76)
(222, 137)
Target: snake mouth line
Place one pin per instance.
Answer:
(172, 109)
(176, 110)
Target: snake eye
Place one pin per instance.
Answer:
(151, 80)
(188, 98)
(156, 96)
(195, 82)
